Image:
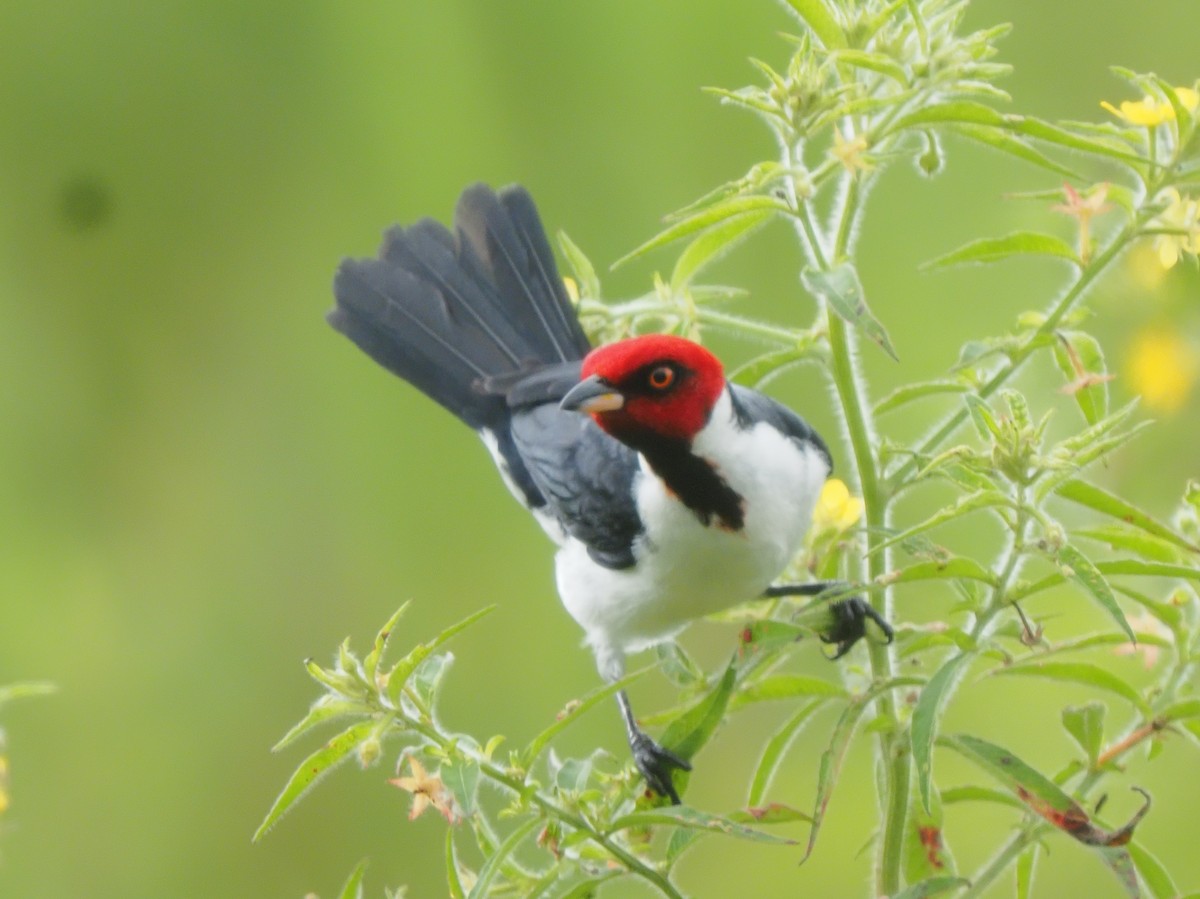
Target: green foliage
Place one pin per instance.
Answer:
(868, 85)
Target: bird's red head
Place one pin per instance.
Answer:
(651, 386)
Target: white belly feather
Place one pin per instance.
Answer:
(684, 568)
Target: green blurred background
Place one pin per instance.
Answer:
(201, 484)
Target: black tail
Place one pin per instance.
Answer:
(452, 312)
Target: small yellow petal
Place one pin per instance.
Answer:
(1188, 97)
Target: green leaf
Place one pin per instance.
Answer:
(707, 218)
(902, 396)
(1125, 538)
(574, 709)
(993, 249)
(1105, 503)
(491, 867)
(371, 663)
(1156, 876)
(925, 720)
(453, 870)
(1083, 571)
(760, 368)
(817, 16)
(956, 567)
(461, 777)
(831, 764)
(925, 852)
(932, 887)
(1075, 673)
(980, 794)
(841, 289)
(324, 709)
(775, 749)
(1053, 134)
(694, 819)
(785, 686)
(1178, 711)
(353, 886)
(953, 112)
(401, 671)
(873, 62)
(687, 734)
(1041, 795)
(1026, 864)
(1081, 360)
(1001, 140)
(714, 242)
(981, 499)
(27, 688)
(581, 267)
(1114, 566)
(313, 769)
(1086, 724)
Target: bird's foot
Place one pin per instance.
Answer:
(656, 763)
(850, 617)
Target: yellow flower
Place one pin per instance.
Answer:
(850, 152)
(1181, 215)
(1162, 368)
(1150, 112)
(836, 509)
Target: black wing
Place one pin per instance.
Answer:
(751, 407)
(585, 476)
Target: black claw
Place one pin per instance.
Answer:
(656, 763)
(850, 624)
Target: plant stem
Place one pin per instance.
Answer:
(549, 806)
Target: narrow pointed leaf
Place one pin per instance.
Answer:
(926, 854)
(755, 372)
(1041, 794)
(1113, 567)
(581, 266)
(1084, 572)
(687, 734)
(1153, 872)
(954, 112)
(687, 817)
(10, 692)
(1054, 134)
(400, 673)
(313, 769)
(453, 875)
(785, 686)
(830, 766)
(1120, 537)
(371, 662)
(959, 566)
(530, 753)
(775, 749)
(1105, 503)
(980, 794)
(713, 243)
(1084, 673)
(353, 886)
(816, 15)
(902, 396)
(707, 218)
(841, 289)
(994, 249)
(925, 720)
(321, 712)
(1015, 146)
(1026, 865)
(492, 866)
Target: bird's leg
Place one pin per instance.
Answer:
(654, 761)
(849, 616)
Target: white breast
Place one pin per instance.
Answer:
(686, 569)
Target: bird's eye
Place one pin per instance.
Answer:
(662, 377)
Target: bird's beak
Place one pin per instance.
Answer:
(592, 394)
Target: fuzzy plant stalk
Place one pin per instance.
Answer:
(867, 86)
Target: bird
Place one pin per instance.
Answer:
(671, 492)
